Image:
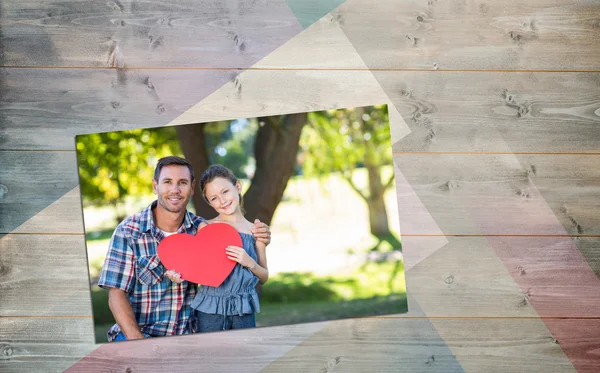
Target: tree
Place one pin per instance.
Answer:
(275, 150)
(342, 140)
(114, 165)
(275, 141)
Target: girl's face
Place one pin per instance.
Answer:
(223, 196)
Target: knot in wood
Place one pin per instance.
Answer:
(3, 190)
(449, 185)
(523, 110)
(449, 279)
(128, 370)
(7, 351)
(405, 93)
(420, 19)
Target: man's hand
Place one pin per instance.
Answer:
(261, 231)
(174, 276)
(119, 305)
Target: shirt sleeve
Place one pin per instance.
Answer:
(118, 270)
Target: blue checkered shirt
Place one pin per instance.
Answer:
(161, 307)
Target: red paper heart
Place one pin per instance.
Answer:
(201, 258)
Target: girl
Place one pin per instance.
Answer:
(231, 305)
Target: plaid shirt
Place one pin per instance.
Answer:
(161, 307)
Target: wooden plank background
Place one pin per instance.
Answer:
(495, 111)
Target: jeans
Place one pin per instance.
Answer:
(206, 322)
(121, 337)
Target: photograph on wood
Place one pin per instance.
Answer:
(251, 222)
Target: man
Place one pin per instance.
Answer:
(144, 302)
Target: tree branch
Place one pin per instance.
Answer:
(349, 180)
(389, 182)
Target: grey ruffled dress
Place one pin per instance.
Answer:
(237, 294)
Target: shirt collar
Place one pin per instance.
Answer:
(147, 220)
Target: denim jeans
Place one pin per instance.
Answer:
(206, 322)
(121, 337)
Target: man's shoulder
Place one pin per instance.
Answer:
(134, 224)
(195, 219)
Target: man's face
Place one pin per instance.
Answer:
(173, 188)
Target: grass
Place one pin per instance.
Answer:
(273, 314)
(290, 298)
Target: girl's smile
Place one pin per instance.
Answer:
(223, 196)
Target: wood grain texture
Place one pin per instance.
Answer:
(499, 346)
(44, 108)
(117, 33)
(426, 34)
(44, 276)
(442, 112)
(473, 301)
(32, 181)
(496, 112)
(479, 35)
(43, 344)
(504, 193)
(355, 345)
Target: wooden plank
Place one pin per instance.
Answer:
(496, 112)
(355, 345)
(32, 181)
(384, 346)
(465, 278)
(178, 33)
(43, 344)
(44, 275)
(503, 193)
(555, 277)
(46, 108)
(442, 112)
(476, 34)
(390, 34)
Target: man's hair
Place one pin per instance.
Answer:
(172, 160)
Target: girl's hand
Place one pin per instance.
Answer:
(240, 255)
(174, 276)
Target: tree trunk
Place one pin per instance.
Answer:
(275, 150)
(378, 220)
(191, 138)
